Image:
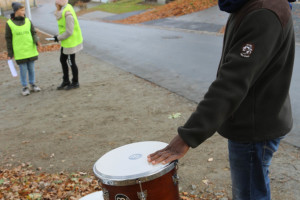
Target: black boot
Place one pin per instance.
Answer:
(63, 85)
(72, 86)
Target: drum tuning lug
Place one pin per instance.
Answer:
(143, 194)
(105, 194)
(175, 162)
(175, 178)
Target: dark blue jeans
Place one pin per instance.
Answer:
(249, 166)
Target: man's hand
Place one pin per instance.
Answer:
(175, 150)
(9, 58)
(39, 44)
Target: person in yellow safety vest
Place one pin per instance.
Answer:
(21, 40)
(71, 42)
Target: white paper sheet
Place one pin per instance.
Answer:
(49, 39)
(12, 68)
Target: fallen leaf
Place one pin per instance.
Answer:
(205, 181)
(174, 115)
(35, 196)
(39, 169)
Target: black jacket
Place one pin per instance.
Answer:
(249, 100)
(8, 36)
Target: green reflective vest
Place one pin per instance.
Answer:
(76, 38)
(22, 41)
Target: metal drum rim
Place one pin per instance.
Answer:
(132, 180)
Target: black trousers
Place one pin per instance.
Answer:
(66, 61)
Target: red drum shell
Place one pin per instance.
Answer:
(124, 170)
(162, 188)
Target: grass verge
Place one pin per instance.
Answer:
(119, 7)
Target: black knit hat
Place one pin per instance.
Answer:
(16, 6)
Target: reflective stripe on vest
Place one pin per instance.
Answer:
(22, 41)
(76, 37)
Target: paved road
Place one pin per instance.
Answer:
(184, 62)
(209, 20)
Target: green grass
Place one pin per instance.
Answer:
(124, 6)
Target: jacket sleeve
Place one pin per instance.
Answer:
(236, 75)
(8, 38)
(34, 35)
(69, 27)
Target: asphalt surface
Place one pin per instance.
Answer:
(178, 57)
(210, 20)
(296, 17)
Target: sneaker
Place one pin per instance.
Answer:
(35, 88)
(25, 91)
(63, 85)
(72, 86)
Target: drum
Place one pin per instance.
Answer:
(93, 196)
(125, 174)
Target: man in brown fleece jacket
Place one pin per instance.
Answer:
(248, 103)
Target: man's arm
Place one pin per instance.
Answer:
(236, 76)
(262, 31)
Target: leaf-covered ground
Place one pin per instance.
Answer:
(23, 182)
(175, 8)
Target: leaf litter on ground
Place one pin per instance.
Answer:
(22, 182)
(172, 9)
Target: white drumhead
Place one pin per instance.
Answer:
(93, 196)
(129, 161)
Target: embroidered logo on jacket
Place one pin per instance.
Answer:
(247, 50)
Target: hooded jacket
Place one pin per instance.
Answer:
(249, 99)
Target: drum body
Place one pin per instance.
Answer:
(125, 174)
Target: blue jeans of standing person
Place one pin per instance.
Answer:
(24, 68)
(249, 166)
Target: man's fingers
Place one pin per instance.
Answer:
(155, 154)
(175, 150)
(170, 159)
(160, 157)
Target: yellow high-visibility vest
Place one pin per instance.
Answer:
(76, 38)
(22, 41)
